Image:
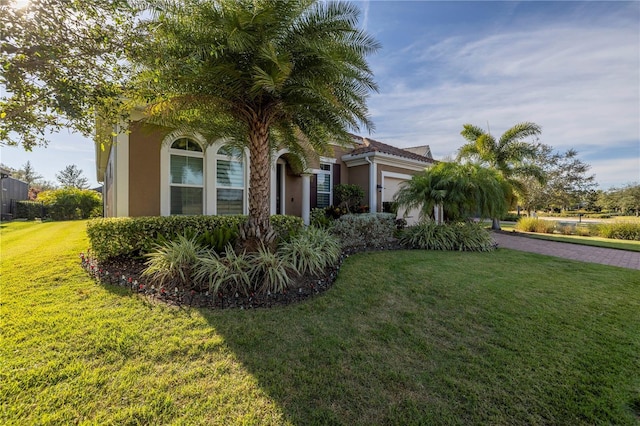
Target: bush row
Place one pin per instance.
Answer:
(533, 224)
(183, 262)
(462, 236)
(616, 230)
(366, 231)
(72, 203)
(136, 236)
(619, 230)
(30, 210)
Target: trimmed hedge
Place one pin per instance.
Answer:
(135, 236)
(30, 210)
(365, 231)
(72, 203)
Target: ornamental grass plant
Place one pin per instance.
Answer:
(533, 224)
(173, 261)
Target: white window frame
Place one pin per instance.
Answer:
(217, 156)
(328, 172)
(165, 165)
(193, 154)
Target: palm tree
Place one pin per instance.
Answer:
(263, 74)
(463, 190)
(508, 156)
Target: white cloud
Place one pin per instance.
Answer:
(580, 83)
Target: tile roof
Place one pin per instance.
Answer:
(370, 145)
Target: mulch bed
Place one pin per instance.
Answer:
(127, 272)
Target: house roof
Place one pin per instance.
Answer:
(372, 146)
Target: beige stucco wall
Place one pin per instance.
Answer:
(358, 175)
(292, 193)
(144, 170)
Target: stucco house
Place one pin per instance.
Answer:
(152, 170)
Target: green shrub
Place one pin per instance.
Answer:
(463, 236)
(311, 251)
(510, 217)
(30, 210)
(567, 229)
(598, 215)
(545, 226)
(136, 236)
(429, 235)
(619, 230)
(583, 231)
(365, 231)
(286, 226)
(471, 236)
(70, 203)
(318, 218)
(172, 263)
(214, 239)
(348, 196)
(334, 212)
(533, 224)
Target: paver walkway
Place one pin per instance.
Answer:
(605, 256)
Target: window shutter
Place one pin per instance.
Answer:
(313, 192)
(336, 181)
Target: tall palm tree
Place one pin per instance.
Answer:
(264, 74)
(510, 156)
(463, 190)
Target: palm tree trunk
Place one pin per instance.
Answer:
(258, 228)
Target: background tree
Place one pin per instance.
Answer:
(29, 174)
(566, 181)
(624, 200)
(508, 155)
(71, 177)
(61, 63)
(463, 191)
(261, 74)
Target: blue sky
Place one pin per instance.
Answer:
(572, 67)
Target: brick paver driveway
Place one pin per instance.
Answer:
(605, 256)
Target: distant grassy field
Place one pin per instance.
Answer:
(408, 337)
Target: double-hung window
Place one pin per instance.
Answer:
(324, 185)
(229, 181)
(186, 177)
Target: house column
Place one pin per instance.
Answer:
(121, 172)
(306, 197)
(373, 186)
(274, 185)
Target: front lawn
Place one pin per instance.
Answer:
(411, 337)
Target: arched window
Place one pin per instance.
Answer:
(229, 181)
(186, 177)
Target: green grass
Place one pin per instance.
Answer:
(576, 239)
(402, 338)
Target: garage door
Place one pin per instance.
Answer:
(391, 185)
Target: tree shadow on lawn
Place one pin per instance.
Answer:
(328, 360)
(387, 345)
